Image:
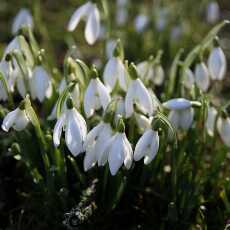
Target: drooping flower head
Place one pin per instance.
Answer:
(90, 13)
(74, 125)
(96, 95)
(18, 119)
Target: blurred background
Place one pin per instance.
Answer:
(144, 27)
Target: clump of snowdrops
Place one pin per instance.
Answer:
(99, 134)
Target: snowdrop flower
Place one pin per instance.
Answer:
(95, 144)
(22, 19)
(188, 78)
(75, 94)
(90, 13)
(115, 72)
(145, 70)
(213, 12)
(74, 125)
(140, 22)
(118, 150)
(40, 84)
(19, 44)
(210, 122)
(96, 96)
(202, 76)
(17, 119)
(223, 127)
(181, 114)
(138, 95)
(151, 72)
(217, 64)
(147, 146)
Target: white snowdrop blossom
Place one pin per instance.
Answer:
(145, 70)
(150, 72)
(22, 19)
(212, 12)
(138, 94)
(140, 22)
(16, 119)
(188, 78)
(217, 64)
(90, 13)
(202, 76)
(74, 125)
(181, 114)
(147, 146)
(96, 96)
(95, 144)
(117, 151)
(223, 127)
(115, 72)
(210, 122)
(40, 84)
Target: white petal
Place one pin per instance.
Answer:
(90, 98)
(103, 94)
(122, 75)
(23, 18)
(73, 134)
(93, 135)
(210, 122)
(110, 73)
(177, 104)
(186, 118)
(213, 12)
(153, 148)
(144, 100)
(104, 135)
(223, 126)
(103, 157)
(116, 155)
(21, 86)
(217, 64)
(92, 29)
(188, 78)
(9, 120)
(174, 118)
(90, 159)
(80, 13)
(129, 99)
(21, 120)
(128, 152)
(58, 129)
(142, 145)
(202, 76)
(41, 83)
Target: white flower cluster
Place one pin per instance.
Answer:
(122, 94)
